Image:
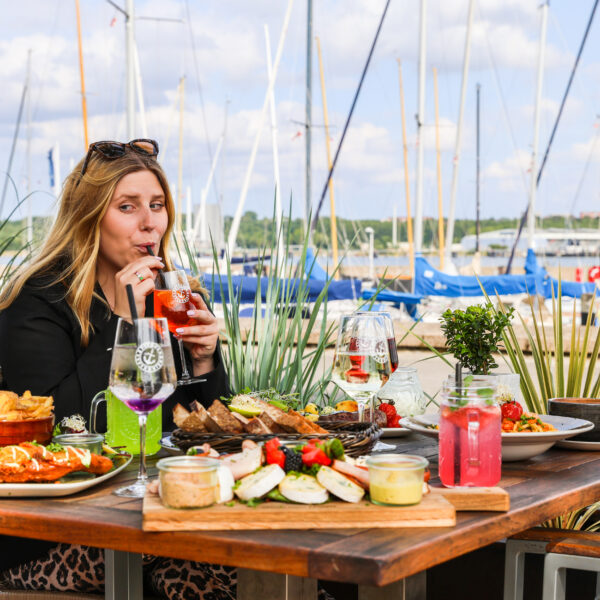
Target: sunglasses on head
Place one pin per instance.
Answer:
(112, 150)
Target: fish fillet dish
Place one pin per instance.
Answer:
(31, 462)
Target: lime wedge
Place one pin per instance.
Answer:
(245, 406)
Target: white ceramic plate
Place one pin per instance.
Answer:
(579, 445)
(516, 446)
(72, 486)
(388, 432)
(167, 444)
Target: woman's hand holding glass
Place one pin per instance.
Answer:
(201, 339)
(188, 321)
(140, 274)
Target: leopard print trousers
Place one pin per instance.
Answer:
(74, 568)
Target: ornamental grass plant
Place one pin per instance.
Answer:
(284, 346)
(556, 375)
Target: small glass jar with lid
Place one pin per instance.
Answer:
(404, 391)
(188, 481)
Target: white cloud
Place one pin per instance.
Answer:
(589, 150)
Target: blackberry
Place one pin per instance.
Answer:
(293, 460)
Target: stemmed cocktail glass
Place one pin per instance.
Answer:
(173, 300)
(142, 376)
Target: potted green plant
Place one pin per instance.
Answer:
(473, 335)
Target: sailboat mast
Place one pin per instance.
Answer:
(235, 224)
(409, 223)
(308, 117)
(461, 111)
(333, 221)
(82, 78)
(180, 165)
(439, 170)
(130, 64)
(420, 124)
(536, 129)
(29, 213)
(278, 211)
(477, 205)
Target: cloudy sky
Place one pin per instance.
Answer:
(219, 46)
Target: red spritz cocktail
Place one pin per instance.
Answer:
(173, 300)
(173, 305)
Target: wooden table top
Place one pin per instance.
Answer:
(540, 488)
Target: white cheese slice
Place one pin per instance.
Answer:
(260, 482)
(225, 483)
(304, 489)
(339, 485)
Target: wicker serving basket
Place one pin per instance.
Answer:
(357, 438)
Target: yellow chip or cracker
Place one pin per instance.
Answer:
(8, 401)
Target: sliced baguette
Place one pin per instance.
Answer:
(208, 422)
(223, 417)
(303, 425)
(270, 423)
(193, 423)
(256, 426)
(339, 485)
(280, 417)
(180, 414)
(241, 418)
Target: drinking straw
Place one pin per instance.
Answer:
(457, 446)
(131, 299)
(151, 253)
(458, 374)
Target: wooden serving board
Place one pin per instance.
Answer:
(474, 498)
(433, 511)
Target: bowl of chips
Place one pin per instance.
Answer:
(25, 418)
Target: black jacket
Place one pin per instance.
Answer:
(40, 350)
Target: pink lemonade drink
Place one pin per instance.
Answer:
(470, 451)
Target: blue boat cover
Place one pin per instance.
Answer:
(246, 288)
(410, 301)
(313, 268)
(429, 281)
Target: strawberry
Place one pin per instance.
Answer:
(274, 453)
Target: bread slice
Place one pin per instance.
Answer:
(193, 423)
(256, 426)
(306, 425)
(226, 421)
(180, 414)
(207, 421)
(270, 423)
(281, 418)
(241, 418)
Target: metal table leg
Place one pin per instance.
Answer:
(411, 588)
(124, 578)
(274, 586)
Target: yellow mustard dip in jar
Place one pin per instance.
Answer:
(396, 479)
(188, 481)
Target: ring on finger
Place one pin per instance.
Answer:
(139, 276)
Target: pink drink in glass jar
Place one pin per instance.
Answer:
(470, 452)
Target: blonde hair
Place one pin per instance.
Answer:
(70, 250)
